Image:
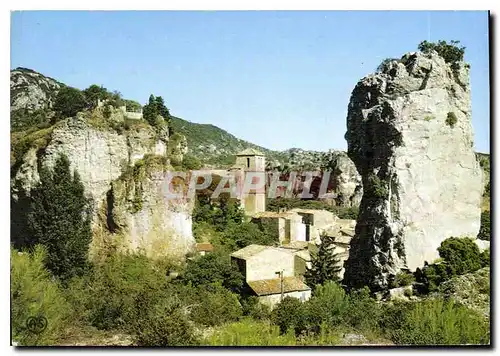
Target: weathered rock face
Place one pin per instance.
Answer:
(31, 91)
(347, 186)
(102, 156)
(409, 133)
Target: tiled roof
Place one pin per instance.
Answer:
(250, 152)
(204, 246)
(273, 286)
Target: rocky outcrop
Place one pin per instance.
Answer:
(31, 91)
(410, 136)
(103, 152)
(346, 188)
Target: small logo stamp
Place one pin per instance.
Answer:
(36, 324)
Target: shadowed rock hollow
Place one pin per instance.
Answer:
(410, 136)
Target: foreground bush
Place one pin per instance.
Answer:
(166, 324)
(329, 305)
(461, 255)
(434, 322)
(34, 293)
(214, 305)
(118, 291)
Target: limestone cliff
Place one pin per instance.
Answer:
(410, 136)
(102, 151)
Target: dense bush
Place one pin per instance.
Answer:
(119, 291)
(402, 279)
(485, 258)
(328, 305)
(34, 293)
(485, 230)
(191, 163)
(166, 324)
(60, 219)
(69, 101)
(461, 255)
(254, 309)
(290, 314)
(434, 322)
(451, 52)
(214, 305)
(237, 236)
(431, 276)
(213, 268)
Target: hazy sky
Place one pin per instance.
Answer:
(277, 79)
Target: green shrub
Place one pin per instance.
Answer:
(290, 314)
(451, 52)
(213, 268)
(215, 305)
(485, 230)
(191, 163)
(434, 322)
(377, 188)
(431, 276)
(402, 279)
(34, 293)
(363, 312)
(254, 309)
(428, 118)
(451, 119)
(460, 254)
(328, 305)
(166, 324)
(121, 289)
(485, 258)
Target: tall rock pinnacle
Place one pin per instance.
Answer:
(410, 136)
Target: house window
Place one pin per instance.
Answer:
(248, 162)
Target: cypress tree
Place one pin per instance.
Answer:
(60, 219)
(324, 264)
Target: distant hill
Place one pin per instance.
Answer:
(214, 145)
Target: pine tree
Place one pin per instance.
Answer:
(60, 219)
(324, 264)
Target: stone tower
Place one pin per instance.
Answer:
(251, 161)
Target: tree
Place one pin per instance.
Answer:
(154, 108)
(93, 94)
(69, 101)
(60, 219)
(324, 264)
(451, 52)
(214, 268)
